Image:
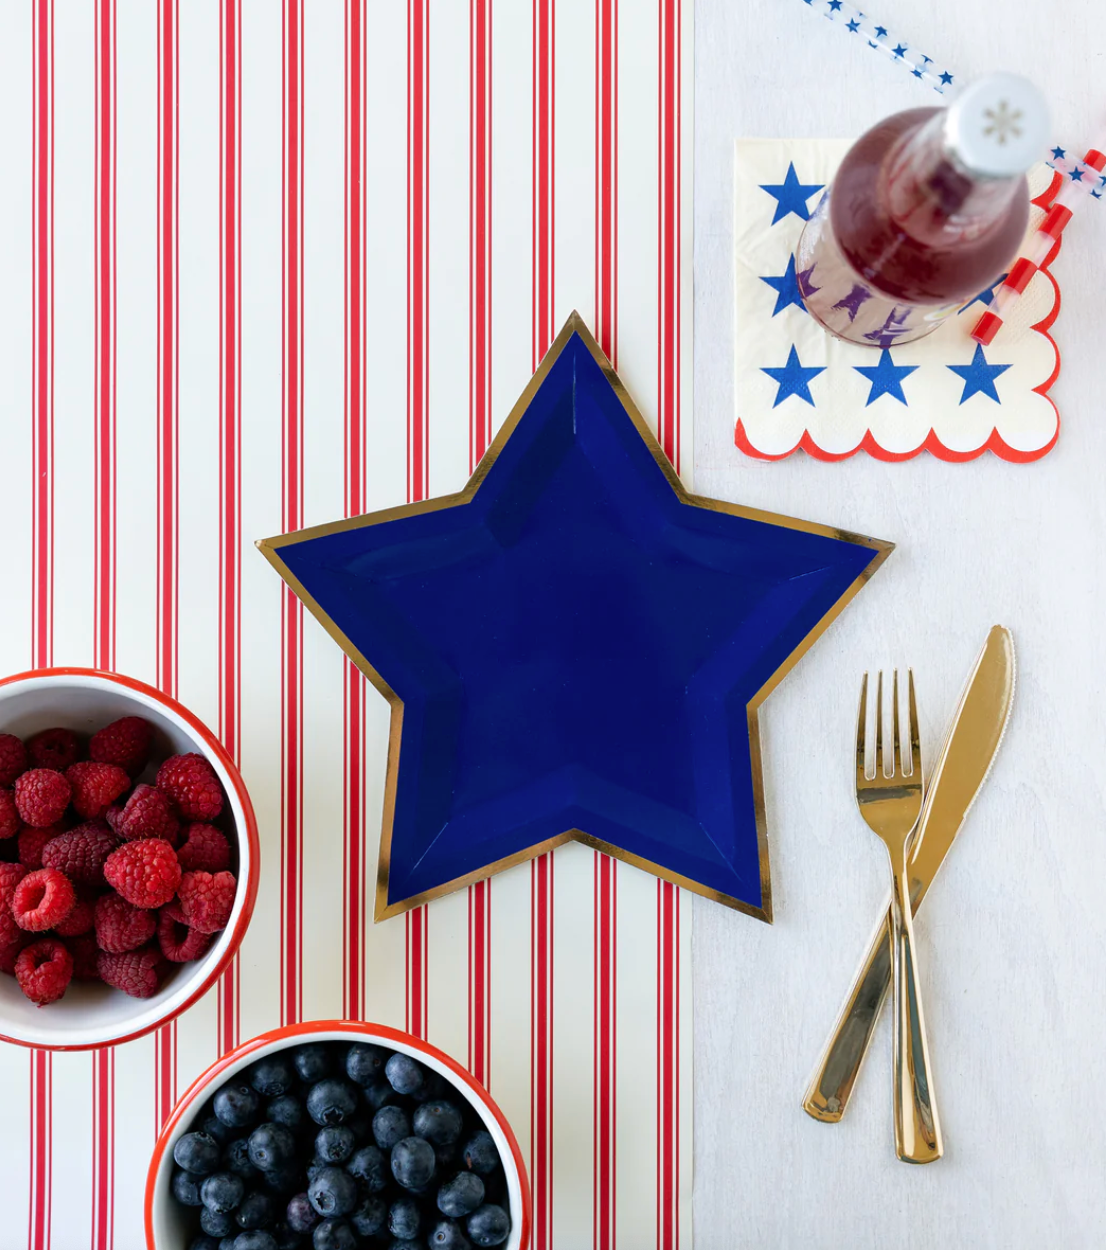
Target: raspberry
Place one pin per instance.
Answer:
(174, 911)
(207, 899)
(79, 920)
(10, 877)
(81, 853)
(205, 848)
(42, 795)
(113, 816)
(125, 743)
(13, 758)
(9, 930)
(96, 787)
(148, 814)
(42, 899)
(85, 953)
(191, 783)
(54, 748)
(178, 942)
(32, 842)
(121, 927)
(44, 970)
(133, 972)
(145, 873)
(9, 953)
(9, 815)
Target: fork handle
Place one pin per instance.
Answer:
(917, 1127)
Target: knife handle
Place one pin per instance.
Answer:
(828, 1093)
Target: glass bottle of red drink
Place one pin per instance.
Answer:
(926, 211)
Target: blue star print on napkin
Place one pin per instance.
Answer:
(793, 378)
(886, 377)
(791, 195)
(574, 648)
(786, 287)
(979, 377)
(984, 297)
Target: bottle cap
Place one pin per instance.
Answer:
(997, 127)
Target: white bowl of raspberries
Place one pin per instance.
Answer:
(337, 1135)
(128, 858)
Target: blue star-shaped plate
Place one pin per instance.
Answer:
(574, 647)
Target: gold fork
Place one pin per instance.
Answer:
(890, 804)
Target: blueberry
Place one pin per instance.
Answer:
(311, 1061)
(203, 1242)
(365, 1063)
(439, 1123)
(301, 1215)
(214, 1127)
(370, 1217)
(480, 1153)
(461, 1195)
(378, 1095)
(404, 1218)
(271, 1146)
(370, 1168)
(391, 1125)
(255, 1240)
(330, 1101)
(186, 1188)
(237, 1105)
(489, 1225)
(218, 1223)
(227, 1243)
(256, 1210)
(413, 1162)
(404, 1075)
(197, 1153)
(285, 1179)
(447, 1235)
(236, 1159)
(222, 1192)
(335, 1235)
(314, 1168)
(271, 1076)
(286, 1110)
(334, 1144)
(333, 1192)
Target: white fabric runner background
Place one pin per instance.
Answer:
(1013, 932)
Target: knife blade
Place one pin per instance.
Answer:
(967, 754)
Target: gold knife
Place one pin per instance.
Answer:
(969, 749)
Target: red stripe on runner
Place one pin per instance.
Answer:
(292, 628)
(541, 1048)
(165, 1059)
(418, 378)
(606, 177)
(668, 242)
(230, 440)
(668, 1064)
(605, 982)
(543, 171)
(103, 1069)
(42, 523)
(353, 895)
(103, 1149)
(480, 912)
(480, 429)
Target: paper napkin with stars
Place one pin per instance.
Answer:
(796, 388)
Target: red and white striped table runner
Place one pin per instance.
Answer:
(263, 263)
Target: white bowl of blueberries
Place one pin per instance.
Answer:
(337, 1136)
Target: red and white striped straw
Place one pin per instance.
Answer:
(1040, 248)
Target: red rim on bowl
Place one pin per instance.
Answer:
(247, 833)
(291, 1033)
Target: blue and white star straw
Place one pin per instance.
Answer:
(939, 76)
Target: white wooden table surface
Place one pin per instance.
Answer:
(1013, 935)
